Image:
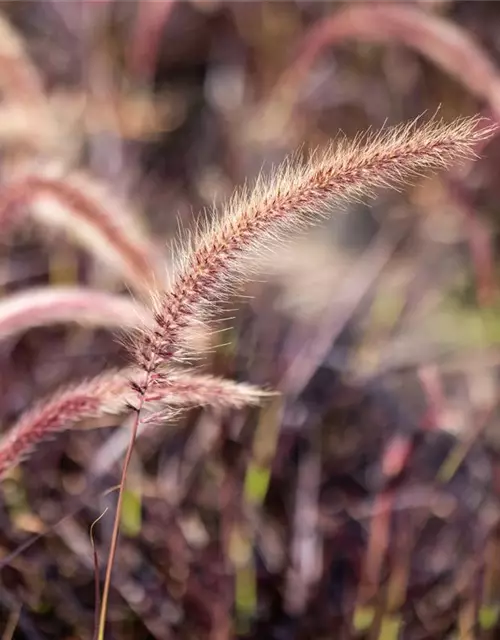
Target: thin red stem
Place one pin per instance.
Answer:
(116, 525)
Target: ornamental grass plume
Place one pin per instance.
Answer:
(80, 206)
(299, 194)
(110, 394)
(42, 306)
(20, 78)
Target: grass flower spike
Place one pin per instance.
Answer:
(110, 394)
(42, 306)
(79, 206)
(298, 195)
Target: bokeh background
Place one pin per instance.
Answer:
(375, 511)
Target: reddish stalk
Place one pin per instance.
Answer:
(116, 527)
